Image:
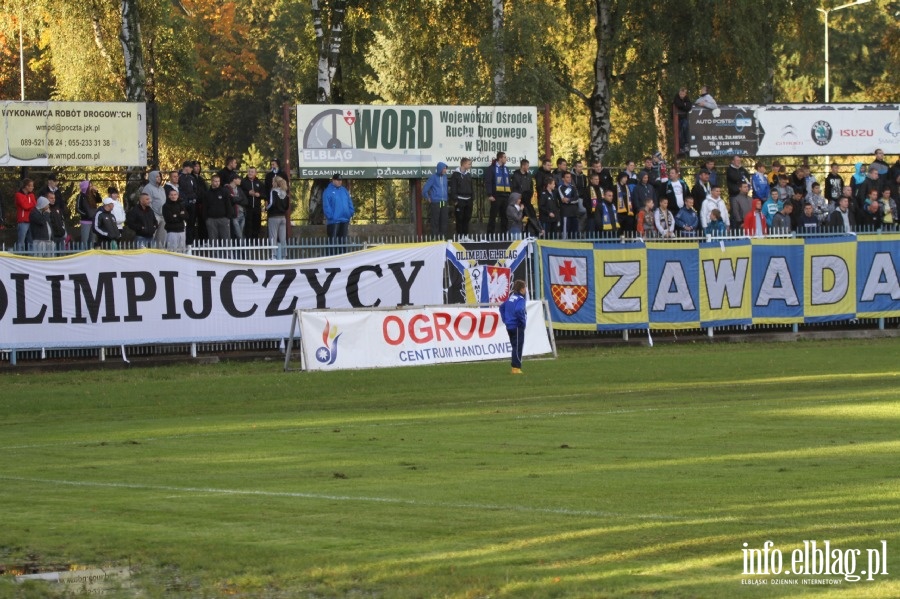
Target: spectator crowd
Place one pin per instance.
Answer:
(657, 202)
(553, 202)
(168, 214)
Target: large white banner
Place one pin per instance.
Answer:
(828, 129)
(407, 142)
(414, 336)
(128, 297)
(73, 134)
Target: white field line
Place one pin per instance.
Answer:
(350, 498)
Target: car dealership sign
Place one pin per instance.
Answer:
(795, 130)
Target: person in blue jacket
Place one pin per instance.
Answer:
(435, 191)
(512, 311)
(338, 207)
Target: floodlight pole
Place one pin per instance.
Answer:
(826, 12)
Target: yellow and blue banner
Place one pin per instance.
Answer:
(725, 283)
(777, 281)
(878, 276)
(673, 285)
(614, 286)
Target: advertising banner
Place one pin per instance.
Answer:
(104, 298)
(674, 284)
(777, 281)
(335, 340)
(483, 272)
(724, 292)
(725, 131)
(828, 129)
(795, 130)
(407, 142)
(878, 276)
(741, 282)
(73, 134)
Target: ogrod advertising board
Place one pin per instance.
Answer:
(337, 339)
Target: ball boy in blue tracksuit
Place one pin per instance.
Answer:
(512, 311)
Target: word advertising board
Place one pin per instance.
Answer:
(407, 142)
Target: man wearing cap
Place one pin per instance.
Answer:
(106, 231)
(435, 191)
(52, 186)
(118, 209)
(338, 207)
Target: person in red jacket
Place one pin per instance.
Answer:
(755, 221)
(25, 203)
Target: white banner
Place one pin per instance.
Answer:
(73, 134)
(407, 142)
(415, 336)
(128, 297)
(828, 129)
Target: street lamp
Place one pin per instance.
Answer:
(826, 11)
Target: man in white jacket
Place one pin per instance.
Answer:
(714, 201)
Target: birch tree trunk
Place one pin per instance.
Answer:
(329, 50)
(135, 76)
(329, 47)
(130, 37)
(662, 114)
(499, 56)
(600, 100)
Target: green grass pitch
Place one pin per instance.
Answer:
(634, 472)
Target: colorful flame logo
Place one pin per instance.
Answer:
(327, 354)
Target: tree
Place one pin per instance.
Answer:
(329, 47)
(499, 68)
(132, 52)
(600, 99)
